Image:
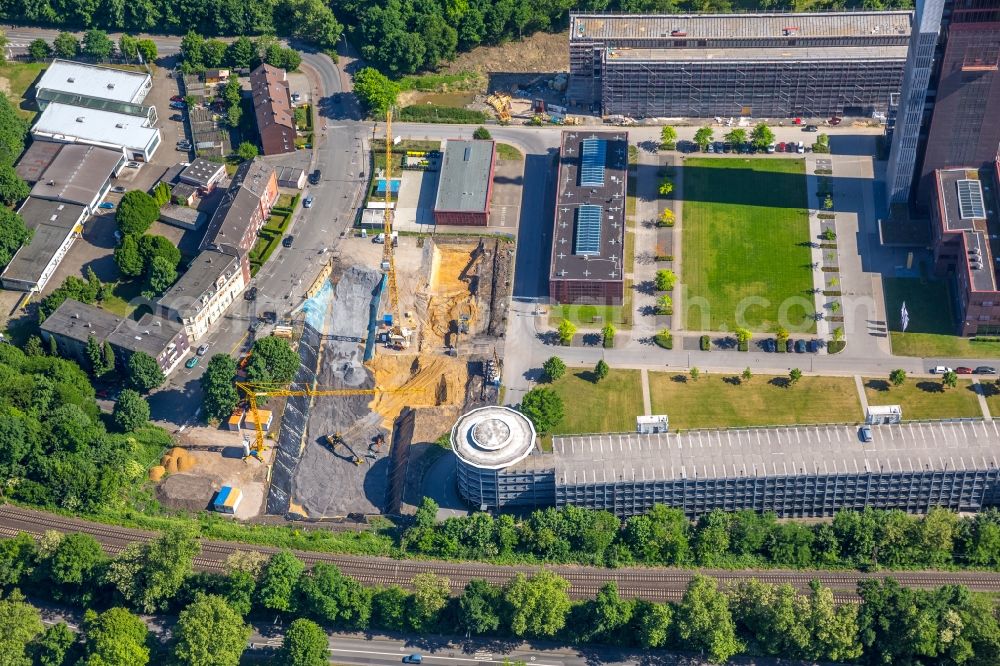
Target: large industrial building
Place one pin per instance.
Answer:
(465, 183)
(763, 65)
(796, 471)
(588, 238)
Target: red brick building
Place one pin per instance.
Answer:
(465, 183)
(589, 219)
(272, 105)
(966, 232)
(244, 208)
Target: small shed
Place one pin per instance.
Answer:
(235, 420)
(651, 425)
(266, 416)
(373, 218)
(184, 194)
(883, 414)
(216, 75)
(291, 177)
(227, 500)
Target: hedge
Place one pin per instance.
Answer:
(705, 343)
(432, 113)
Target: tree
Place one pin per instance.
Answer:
(240, 52)
(390, 608)
(12, 188)
(331, 597)
(747, 375)
(217, 387)
(554, 368)
(949, 379)
(73, 567)
(152, 246)
(39, 50)
(192, 45)
(376, 93)
(482, 133)
(161, 195)
(277, 583)
(210, 633)
(897, 377)
(743, 336)
(608, 332)
(131, 411)
(147, 49)
(161, 274)
(668, 138)
(430, 595)
(128, 259)
(736, 136)
(782, 335)
(116, 636)
(704, 621)
(762, 136)
(664, 304)
(21, 623)
(609, 614)
(136, 213)
(666, 187)
(247, 151)
(601, 370)
(33, 347)
(478, 607)
(695, 374)
(305, 644)
(309, 20)
(654, 623)
(544, 407)
(538, 605)
(272, 360)
(98, 45)
(149, 576)
(128, 46)
(144, 372)
(566, 332)
(703, 137)
(51, 647)
(213, 52)
(794, 376)
(665, 280)
(13, 234)
(65, 45)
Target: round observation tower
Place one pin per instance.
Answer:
(486, 441)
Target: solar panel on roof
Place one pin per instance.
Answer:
(593, 156)
(970, 200)
(588, 230)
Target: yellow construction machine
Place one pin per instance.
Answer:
(501, 104)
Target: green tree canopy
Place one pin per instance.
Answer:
(12, 188)
(247, 151)
(703, 137)
(21, 623)
(39, 50)
(153, 246)
(98, 45)
(131, 411)
(481, 133)
(762, 136)
(144, 372)
(66, 45)
(430, 595)
(149, 576)
(601, 370)
(218, 388)
(329, 596)
(305, 644)
(544, 407)
(116, 636)
(136, 213)
(668, 137)
(554, 368)
(128, 258)
(210, 633)
(276, 588)
(565, 332)
(272, 359)
(376, 93)
(538, 605)
(13, 234)
(478, 607)
(705, 622)
(161, 274)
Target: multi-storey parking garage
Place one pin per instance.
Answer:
(765, 65)
(800, 471)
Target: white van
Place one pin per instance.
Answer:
(800, 147)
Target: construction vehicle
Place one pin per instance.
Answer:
(252, 391)
(501, 104)
(399, 336)
(493, 369)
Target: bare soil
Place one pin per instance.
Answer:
(542, 52)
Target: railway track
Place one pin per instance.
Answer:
(654, 584)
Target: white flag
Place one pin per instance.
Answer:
(904, 316)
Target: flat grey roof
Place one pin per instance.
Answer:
(202, 172)
(771, 452)
(52, 222)
(95, 81)
(151, 334)
(466, 175)
(493, 437)
(77, 174)
(576, 205)
(199, 281)
(36, 159)
(79, 321)
(975, 232)
(782, 53)
(739, 26)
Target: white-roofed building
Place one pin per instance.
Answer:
(63, 123)
(97, 81)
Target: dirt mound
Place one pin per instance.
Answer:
(451, 294)
(541, 52)
(426, 381)
(176, 460)
(156, 472)
(186, 491)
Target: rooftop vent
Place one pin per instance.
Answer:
(80, 119)
(111, 86)
(71, 80)
(120, 125)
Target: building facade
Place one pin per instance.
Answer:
(465, 183)
(964, 131)
(201, 295)
(244, 208)
(764, 65)
(588, 238)
(272, 106)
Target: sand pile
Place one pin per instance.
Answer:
(450, 294)
(426, 381)
(173, 461)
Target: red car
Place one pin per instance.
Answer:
(780, 148)
(176, 98)
(963, 371)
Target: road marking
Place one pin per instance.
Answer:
(430, 656)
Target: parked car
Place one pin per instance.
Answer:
(107, 205)
(287, 241)
(191, 362)
(202, 350)
(413, 659)
(940, 369)
(315, 176)
(810, 128)
(780, 148)
(800, 147)
(835, 121)
(270, 316)
(118, 189)
(865, 434)
(710, 148)
(176, 98)
(770, 148)
(250, 294)
(177, 118)
(800, 346)
(769, 345)
(307, 202)
(789, 346)
(962, 370)
(790, 147)
(718, 146)
(177, 106)
(986, 370)
(133, 165)
(813, 346)
(727, 147)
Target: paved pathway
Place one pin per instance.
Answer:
(859, 383)
(644, 264)
(982, 399)
(647, 404)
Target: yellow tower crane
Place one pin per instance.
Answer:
(389, 252)
(252, 391)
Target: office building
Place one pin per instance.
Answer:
(465, 183)
(764, 65)
(55, 226)
(588, 236)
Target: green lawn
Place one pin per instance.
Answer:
(15, 79)
(924, 398)
(722, 400)
(932, 322)
(745, 225)
(591, 316)
(610, 405)
(505, 151)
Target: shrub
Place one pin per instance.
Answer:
(566, 332)
(432, 113)
(743, 346)
(705, 343)
(665, 280)
(601, 370)
(829, 234)
(664, 339)
(608, 335)
(666, 218)
(481, 133)
(554, 368)
(835, 346)
(665, 305)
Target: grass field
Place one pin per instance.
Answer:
(924, 398)
(15, 79)
(744, 228)
(932, 321)
(610, 405)
(721, 400)
(505, 151)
